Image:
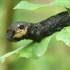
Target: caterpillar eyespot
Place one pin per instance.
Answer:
(21, 27)
(36, 32)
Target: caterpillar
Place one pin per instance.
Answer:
(36, 32)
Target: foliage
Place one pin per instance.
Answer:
(31, 6)
(34, 49)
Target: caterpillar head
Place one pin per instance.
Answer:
(17, 31)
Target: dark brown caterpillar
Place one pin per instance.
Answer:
(36, 32)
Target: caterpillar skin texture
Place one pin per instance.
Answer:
(36, 32)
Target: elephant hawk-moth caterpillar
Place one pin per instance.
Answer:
(36, 32)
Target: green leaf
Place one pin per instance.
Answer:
(64, 35)
(31, 6)
(2, 58)
(61, 3)
(35, 50)
(68, 10)
(40, 48)
(28, 5)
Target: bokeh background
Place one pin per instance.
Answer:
(57, 56)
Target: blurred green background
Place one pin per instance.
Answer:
(57, 57)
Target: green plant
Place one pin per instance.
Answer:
(34, 49)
